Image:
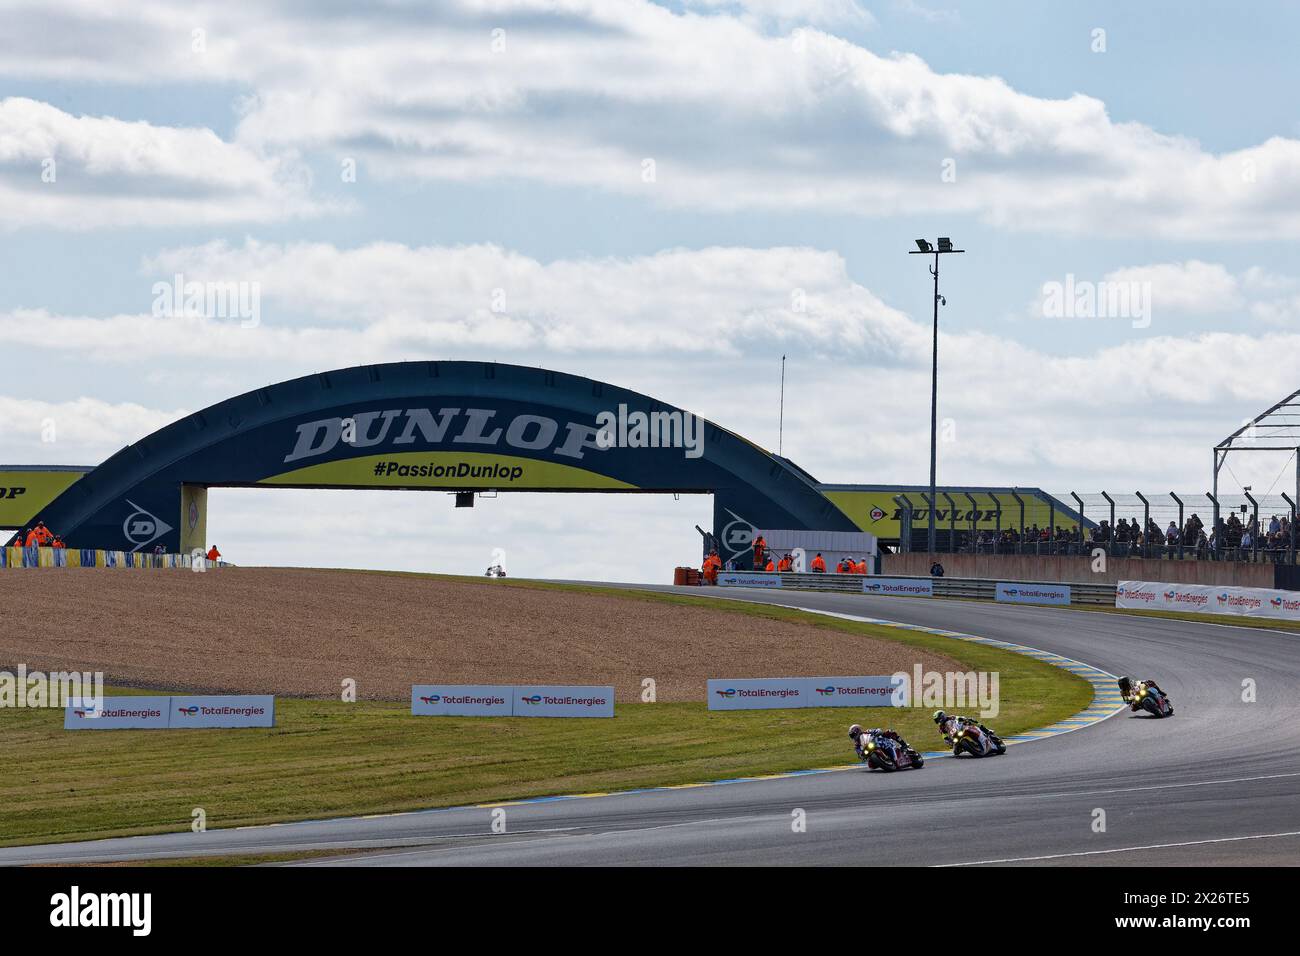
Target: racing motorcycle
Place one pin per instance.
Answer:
(1151, 699)
(885, 753)
(972, 739)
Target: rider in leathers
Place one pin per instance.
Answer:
(1129, 691)
(951, 725)
(862, 737)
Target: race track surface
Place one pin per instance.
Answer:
(1218, 784)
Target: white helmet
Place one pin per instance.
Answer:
(855, 731)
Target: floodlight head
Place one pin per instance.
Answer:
(945, 244)
(924, 246)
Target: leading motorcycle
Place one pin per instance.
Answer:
(974, 740)
(1151, 699)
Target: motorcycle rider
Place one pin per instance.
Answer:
(1129, 692)
(950, 725)
(862, 737)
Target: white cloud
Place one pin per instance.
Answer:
(785, 14)
(929, 14)
(582, 92)
(81, 172)
(708, 301)
(1192, 287)
(80, 431)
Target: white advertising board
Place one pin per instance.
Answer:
(748, 579)
(462, 700)
(1033, 593)
(851, 692)
(245, 710)
(909, 587)
(118, 713)
(783, 693)
(558, 700)
(758, 693)
(1209, 599)
(171, 713)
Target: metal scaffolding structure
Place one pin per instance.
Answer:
(1275, 429)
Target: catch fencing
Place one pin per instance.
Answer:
(1205, 527)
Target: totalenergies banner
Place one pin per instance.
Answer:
(462, 700)
(908, 587)
(1016, 593)
(170, 713)
(510, 700)
(748, 579)
(780, 693)
(1208, 599)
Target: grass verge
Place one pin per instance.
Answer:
(327, 758)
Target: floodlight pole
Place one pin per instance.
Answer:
(924, 248)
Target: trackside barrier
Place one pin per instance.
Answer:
(88, 558)
(781, 693)
(982, 589)
(1031, 593)
(511, 700)
(748, 579)
(170, 713)
(1209, 599)
(899, 587)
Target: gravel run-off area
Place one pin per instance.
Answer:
(302, 632)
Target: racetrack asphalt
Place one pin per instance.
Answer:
(1218, 784)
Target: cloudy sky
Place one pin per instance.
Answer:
(669, 196)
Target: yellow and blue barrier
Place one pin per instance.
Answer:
(35, 557)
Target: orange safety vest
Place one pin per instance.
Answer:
(213, 553)
(818, 564)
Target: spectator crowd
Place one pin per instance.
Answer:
(1129, 538)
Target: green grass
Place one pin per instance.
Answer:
(327, 758)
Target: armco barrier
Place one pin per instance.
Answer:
(975, 588)
(1081, 569)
